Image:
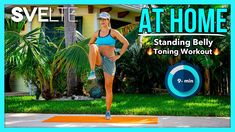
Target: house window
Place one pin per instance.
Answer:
(50, 27)
(117, 24)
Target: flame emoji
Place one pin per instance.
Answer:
(216, 51)
(149, 51)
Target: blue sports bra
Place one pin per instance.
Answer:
(106, 40)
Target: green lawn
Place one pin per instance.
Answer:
(137, 104)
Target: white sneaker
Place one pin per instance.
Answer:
(92, 75)
(107, 115)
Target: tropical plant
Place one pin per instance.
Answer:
(39, 60)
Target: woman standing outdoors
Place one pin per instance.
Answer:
(101, 53)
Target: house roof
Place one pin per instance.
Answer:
(133, 7)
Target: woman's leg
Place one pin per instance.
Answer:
(94, 56)
(109, 90)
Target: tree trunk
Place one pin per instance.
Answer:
(46, 93)
(207, 81)
(70, 32)
(171, 60)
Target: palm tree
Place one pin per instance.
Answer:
(27, 55)
(39, 60)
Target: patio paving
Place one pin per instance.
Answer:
(35, 120)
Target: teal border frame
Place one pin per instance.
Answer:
(3, 2)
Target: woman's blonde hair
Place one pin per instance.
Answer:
(109, 23)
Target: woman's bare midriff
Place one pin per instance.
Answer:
(106, 50)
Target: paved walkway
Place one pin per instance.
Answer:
(35, 120)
